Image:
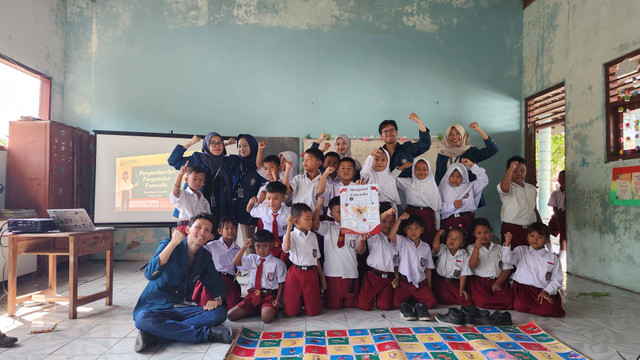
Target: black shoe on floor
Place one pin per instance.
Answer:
(221, 334)
(7, 341)
(501, 318)
(144, 340)
(422, 312)
(471, 313)
(407, 312)
(454, 317)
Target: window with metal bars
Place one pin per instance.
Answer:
(622, 101)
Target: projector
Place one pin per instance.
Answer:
(32, 225)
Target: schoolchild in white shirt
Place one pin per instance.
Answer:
(305, 188)
(422, 196)
(415, 262)
(518, 202)
(460, 197)
(452, 268)
(538, 275)
(267, 275)
(340, 258)
(190, 201)
(489, 286)
(381, 265)
(376, 171)
(223, 251)
(273, 215)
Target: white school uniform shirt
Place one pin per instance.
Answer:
(420, 193)
(387, 190)
(222, 255)
(383, 254)
(453, 266)
(332, 189)
(188, 204)
(413, 260)
(470, 192)
(263, 212)
(304, 249)
(518, 204)
(558, 199)
(274, 271)
(305, 189)
(339, 262)
(490, 263)
(534, 266)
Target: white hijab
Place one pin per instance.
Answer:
(451, 193)
(421, 192)
(387, 190)
(293, 157)
(455, 151)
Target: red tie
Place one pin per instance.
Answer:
(258, 282)
(274, 230)
(340, 238)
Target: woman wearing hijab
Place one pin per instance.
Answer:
(246, 183)
(217, 187)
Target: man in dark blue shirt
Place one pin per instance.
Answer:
(165, 310)
(405, 152)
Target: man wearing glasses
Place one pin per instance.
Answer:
(405, 152)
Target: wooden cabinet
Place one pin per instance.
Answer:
(48, 166)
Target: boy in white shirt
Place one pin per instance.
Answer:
(381, 265)
(538, 275)
(340, 258)
(415, 264)
(267, 275)
(518, 202)
(302, 246)
(305, 188)
(223, 251)
(273, 214)
(190, 201)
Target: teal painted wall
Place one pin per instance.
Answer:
(570, 41)
(288, 68)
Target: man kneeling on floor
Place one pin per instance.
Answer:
(165, 311)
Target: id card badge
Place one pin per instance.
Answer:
(212, 200)
(240, 192)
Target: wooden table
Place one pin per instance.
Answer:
(72, 244)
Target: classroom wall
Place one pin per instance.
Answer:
(295, 67)
(32, 32)
(570, 41)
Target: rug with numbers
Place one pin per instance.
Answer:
(442, 342)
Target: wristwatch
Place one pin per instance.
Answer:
(217, 298)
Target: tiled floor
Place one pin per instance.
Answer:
(594, 327)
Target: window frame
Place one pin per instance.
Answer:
(612, 117)
(44, 111)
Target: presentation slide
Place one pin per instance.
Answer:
(133, 178)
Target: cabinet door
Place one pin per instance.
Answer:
(83, 165)
(61, 166)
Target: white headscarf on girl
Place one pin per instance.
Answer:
(421, 193)
(348, 152)
(387, 190)
(455, 151)
(293, 157)
(451, 193)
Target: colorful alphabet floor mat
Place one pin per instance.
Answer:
(464, 342)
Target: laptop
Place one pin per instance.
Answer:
(71, 220)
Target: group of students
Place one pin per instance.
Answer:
(300, 258)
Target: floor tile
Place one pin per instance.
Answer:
(83, 346)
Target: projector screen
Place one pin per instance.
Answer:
(137, 161)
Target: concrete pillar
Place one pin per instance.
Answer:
(544, 172)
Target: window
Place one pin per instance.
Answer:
(622, 83)
(23, 92)
(544, 111)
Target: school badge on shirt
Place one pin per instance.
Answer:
(315, 253)
(423, 262)
(352, 243)
(456, 273)
(271, 276)
(500, 264)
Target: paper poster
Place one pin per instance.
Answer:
(360, 209)
(625, 186)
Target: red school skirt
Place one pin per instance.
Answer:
(524, 300)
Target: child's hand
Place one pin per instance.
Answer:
(414, 117)
(322, 137)
(247, 242)
(184, 168)
(253, 201)
(478, 243)
(262, 145)
(507, 238)
(323, 282)
(325, 147)
(465, 293)
(544, 296)
(276, 303)
(287, 165)
(513, 166)
(405, 165)
(377, 152)
(289, 220)
(390, 212)
(475, 126)
(441, 233)
(360, 182)
(395, 282)
(466, 162)
(496, 287)
(365, 236)
(457, 204)
(320, 201)
(330, 170)
(194, 140)
(404, 216)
